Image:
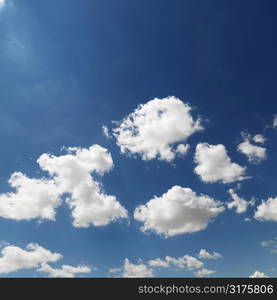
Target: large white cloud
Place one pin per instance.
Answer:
(155, 127)
(65, 271)
(204, 254)
(177, 211)
(267, 210)
(72, 173)
(214, 164)
(33, 198)
(238, 203)
(254, 153)
(14, 258)
(136, 271)
(258, 274)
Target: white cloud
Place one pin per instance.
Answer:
(255, 154)
(272, 244)
(136, 271)
(182, 149)
(204, 254)
(158, 263)
(177, 211)
(238, 203)
(105, 131)
(258, 274)
(274, 122)
(214, 164)
(14, 258)
(154, 128)
(258, 138)
(269, 243)
(72, 174)
(115, 270)
(33, 198)
(267, 210)
(204, 272)
(186, 261)
(64, 272)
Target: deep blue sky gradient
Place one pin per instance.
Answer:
(69, 67)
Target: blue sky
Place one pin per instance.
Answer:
(68, 68)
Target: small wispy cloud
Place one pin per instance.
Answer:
(2, 3)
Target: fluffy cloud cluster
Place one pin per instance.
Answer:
(177, 211)
(254, 153)
(238, 203)
(132, 271)
(258, 274)
(14, 258)
(154, 129)
(267, 210)
(71, 175)
(64, 272)
(214, 164)
(204, 254)
(187, 262)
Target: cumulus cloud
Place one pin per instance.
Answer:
(204, 273)
(214, 164)
(179, 210)
(14, 258)
(258, 138)
(182, 149)
(204, 254)
(33, 198)
(72, 174)
(186, 261)
(158, 263)
(136, 271)
(254, 153)
(64, 272)
(258, 274)
(155, 128)
(267, 210)
(238, 203)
